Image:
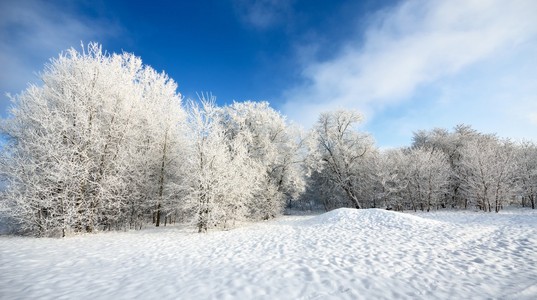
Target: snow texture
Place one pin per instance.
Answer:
(342, 254)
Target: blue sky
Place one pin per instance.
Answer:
(406, 65)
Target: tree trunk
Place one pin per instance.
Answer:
(354, 200)
(157, 224)
(161, 179)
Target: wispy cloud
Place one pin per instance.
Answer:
(413, 45)
(32, 31)
(263, 14)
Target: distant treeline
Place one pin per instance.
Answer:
(107, 143)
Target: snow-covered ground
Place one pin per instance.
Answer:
(343, 254)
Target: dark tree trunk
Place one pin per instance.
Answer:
(161, 179)
(157, 224)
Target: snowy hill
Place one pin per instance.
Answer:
(370, 218)
(342, 254)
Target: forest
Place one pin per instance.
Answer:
(107, 143)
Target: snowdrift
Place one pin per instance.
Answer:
(369, 218)
(343, 254)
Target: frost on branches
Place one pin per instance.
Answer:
(243, 163)
(221, 180)
(273, 149)
(84, 150)
(106, 143)
(340, 155)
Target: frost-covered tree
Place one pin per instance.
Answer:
(526, 158)
(413, 178)
(78, 143)
(273, 148)
(222, 180)
(451, 144)
(427, 172)
(391, 176)
(160, 146)
(488, 176)
(340, 153)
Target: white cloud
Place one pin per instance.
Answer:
(33, 31)
(532, 116)
(411, 46)
(263, 14)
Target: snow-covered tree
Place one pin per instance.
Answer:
(160, 146)
(273, 148)
(391, 176)
(340, 152)
(451, 144)
(412, 178)
(427, 172)
(76, 142)
(526, 158)
(222, 180)
(489, 168)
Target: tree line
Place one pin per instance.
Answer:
(462, 169)
(108, 143)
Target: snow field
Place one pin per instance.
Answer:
(342, 254)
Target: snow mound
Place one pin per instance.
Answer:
(345, 254)
(373, 218)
